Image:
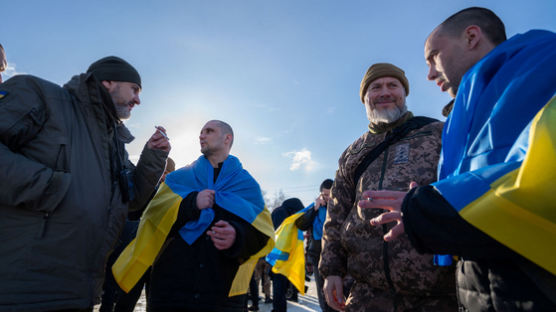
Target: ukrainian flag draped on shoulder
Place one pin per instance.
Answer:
(235, 191)
(498, 161)
(288, 256)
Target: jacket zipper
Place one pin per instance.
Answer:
(385, 243)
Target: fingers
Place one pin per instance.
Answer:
(205, 199)
(383, 194)
(319, 202)
(389, 217)
(222, 234)
(413, 185)
(395, 232)
(379, 203)
(386, 217)
(389, 200)
(327, 290)
(159, 140)
(333, 292)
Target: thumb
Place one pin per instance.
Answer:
(413, 185)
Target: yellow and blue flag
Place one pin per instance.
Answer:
(498, 161)
(288, 255)
(235, 191)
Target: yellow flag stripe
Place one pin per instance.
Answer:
(519, 210)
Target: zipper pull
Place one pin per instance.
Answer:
(43, 225)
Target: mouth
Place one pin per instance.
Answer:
(384, 103)
(442, 85)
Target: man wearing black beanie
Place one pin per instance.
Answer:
(68, 183)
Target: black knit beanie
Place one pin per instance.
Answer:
(113, 68)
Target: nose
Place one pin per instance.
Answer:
(384, 91)
(137, 100)
(432, 74)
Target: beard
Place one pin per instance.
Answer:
(122, 110)
(388, 115)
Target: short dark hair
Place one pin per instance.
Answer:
(326, 184)
(225, 128)
(489, 23)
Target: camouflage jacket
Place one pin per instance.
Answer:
(352, 246)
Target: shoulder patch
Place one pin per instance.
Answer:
(3, 94)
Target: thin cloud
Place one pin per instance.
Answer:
(262, 140)
(11, 71)
(301, 160)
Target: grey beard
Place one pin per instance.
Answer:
(122, 112)
(385, 116)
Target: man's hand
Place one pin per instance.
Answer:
(389, 200)
(319, 202)
(159, 140)
(205, 199)
(334, 292)
(223, 235)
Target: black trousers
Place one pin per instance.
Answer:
(279, 287)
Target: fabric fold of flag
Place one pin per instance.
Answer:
(235, 191)
(502, 179)
(288, 256)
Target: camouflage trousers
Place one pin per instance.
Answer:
(262, 270)
(363, 298)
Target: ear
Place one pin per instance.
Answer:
(228, 138)
(472, 35)
(107, 84)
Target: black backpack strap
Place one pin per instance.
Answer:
(393, 137)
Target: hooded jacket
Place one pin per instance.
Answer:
(61, 207)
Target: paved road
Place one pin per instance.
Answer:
(307, 303)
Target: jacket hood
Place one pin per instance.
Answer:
(87, 89)
(292, 205)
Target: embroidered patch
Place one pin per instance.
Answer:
(3, 94)
(402, 154)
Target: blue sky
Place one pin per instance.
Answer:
(284, 74)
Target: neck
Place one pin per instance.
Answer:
(216, 158)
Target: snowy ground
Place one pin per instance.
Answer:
(307, 303)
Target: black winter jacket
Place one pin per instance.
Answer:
(61, 204)
(305, 223)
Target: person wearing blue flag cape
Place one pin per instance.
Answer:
(494, 204)
(312, 221)
(202, 233)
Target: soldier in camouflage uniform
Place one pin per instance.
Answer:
(389, 276)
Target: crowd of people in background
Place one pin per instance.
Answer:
(81, 222)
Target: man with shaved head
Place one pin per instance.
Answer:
(493, 205)
(220, 229)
